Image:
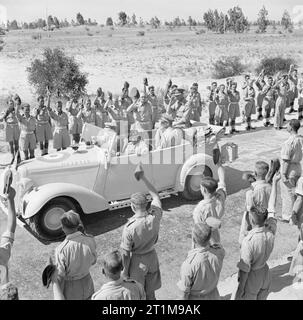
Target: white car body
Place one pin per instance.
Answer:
(95, 179)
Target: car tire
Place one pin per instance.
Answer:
(46, 223)
(192, 184)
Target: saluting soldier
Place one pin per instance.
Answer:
(200, 272)
(43, 126)
(195, 97)
(117, 288)
(75, 123)
(249, 106)
(27, 124)
(233, 105)
(143, 114)
(12, 131)
(221, 114)
(101, 115)
(61, 136)
(260, 83)
(281, 91)
(293, 83)
(125, 101)
(211, 104)
(87, 113)
(139, 237)
(268, 101)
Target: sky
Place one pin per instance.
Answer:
(30, 10)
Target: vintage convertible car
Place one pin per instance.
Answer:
(94, 178)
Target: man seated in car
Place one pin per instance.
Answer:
(166, 136)
(136, 145)
(108, 139)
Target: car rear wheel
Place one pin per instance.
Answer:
(46, 223)
(193, 181)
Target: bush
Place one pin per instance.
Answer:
(202, 31)
(35, 37)
(140, 33)
(274, 65)
(57, 71)
(227, 67)
(90, 34)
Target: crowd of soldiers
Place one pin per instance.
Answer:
(134, 112)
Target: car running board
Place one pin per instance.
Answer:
(114, 205)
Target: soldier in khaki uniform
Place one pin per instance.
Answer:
(213, 203)
(116, 287)
(157, 109)
(101, 115)
(43, 126)
(143, 114)
(200, 272)
(211, 104)
(254, 275)
(221, 113)
(249, 105)
(27, 124)
(74, 258)
(291, 156)
(12, 130)
(87, 114)
(259, 194)
(281, 93)
(75, 123)
(260, 83)
(195, 97)
(61, 136)
(268, 104)
(293, 83)
(139, 237)
(233, 108)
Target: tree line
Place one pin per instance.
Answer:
(233, 20)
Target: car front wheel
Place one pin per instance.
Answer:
(47, 222)
(193, 182)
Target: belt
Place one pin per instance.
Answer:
(143, 253)
(67, 278)
(202, 294)
(42, 122)
(60, 128)
(27, 132)
(234, 103)
(12, 124)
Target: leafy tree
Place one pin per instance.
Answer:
(262, 21)
(274, 26)
(286, 21)
(209, 20)
(190, 21)
(122, 18)
(134, 19)
(41, 23)
(57, 71)
(50, 21)
(237, 21)
(13, 25)
(56, 22)
(32, 25)
(177, 22)
(25, 25)
(80, 19)
(109, 21)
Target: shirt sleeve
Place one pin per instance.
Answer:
(7, 238)
(156, 211)
(286, 151)
(186, 281)
(127, 240)
(299, 187)
(60, 263)
(245, 257)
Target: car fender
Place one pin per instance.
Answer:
(89, 201)
(190, 164)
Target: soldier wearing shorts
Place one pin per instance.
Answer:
(280, 105)
(200, 272)
(27, 139)
(268, 104)
(233, 108)
(43, 126)
(196, 102)
(211, 104)
(75, 123)
(61, 136)
(117, 288)
(293, 86)
(249, 106)
(157, 109)
(221, 113)
(260, 83)
(139, 237)
(12, 131)
(101, 115)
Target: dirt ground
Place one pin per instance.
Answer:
(110, 57)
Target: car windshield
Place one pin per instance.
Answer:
(106, 139)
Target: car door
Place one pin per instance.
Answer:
(120, 180)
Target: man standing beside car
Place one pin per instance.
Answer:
(140, 234)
